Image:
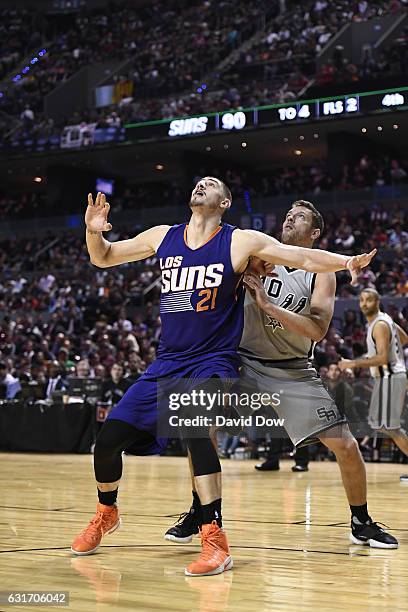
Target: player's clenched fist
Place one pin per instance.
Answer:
(96, 216)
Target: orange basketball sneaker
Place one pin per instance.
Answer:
(215, 555)
(106, 520)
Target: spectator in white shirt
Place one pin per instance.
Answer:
(11, 383)
(46, 282)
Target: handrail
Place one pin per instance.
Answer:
(45, 248)
(333, 39)
(391, 29)
(152, 285)
(24, 61)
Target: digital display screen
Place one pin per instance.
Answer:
(106, 186)
(303, 111)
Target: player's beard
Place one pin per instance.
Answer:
(294, 237)
(290, 236)
(197, 201)
(371, 312)
(201, 203)
(192, 203)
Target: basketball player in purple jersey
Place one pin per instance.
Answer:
(201, 310)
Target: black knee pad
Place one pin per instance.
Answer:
(114, 437)
(204, 457)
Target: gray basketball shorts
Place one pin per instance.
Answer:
(304, 402)
(387, 402)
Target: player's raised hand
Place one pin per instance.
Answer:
(357, 263)
(96, 216)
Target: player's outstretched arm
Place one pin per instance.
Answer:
(103, 253)
(382, 337)
(313, 260)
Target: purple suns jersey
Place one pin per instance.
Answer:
(201, 306)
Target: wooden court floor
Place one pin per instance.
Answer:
(288, 534)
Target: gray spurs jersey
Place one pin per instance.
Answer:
(396, 361)
(264, 337)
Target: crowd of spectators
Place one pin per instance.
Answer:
(168, 47)
(370, 172)
(271, 70)
(22, 205)
(392, 61)
(179, 56)
(21, 31)
(63, 313)
(285, 56)
(384, 228)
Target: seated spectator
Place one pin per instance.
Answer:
(65, 363)
(83, 369)
(116, 386)
(100, 371)
(9, 385)
(397, 236)
(349, 322)
(340, 388)
(136, 367)
(54, 381)
(402, 285)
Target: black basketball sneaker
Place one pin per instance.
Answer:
(300, 468)
(186, 526)
(268, 466)
(371, 534)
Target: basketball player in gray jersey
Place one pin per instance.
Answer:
(283, 320)
(385, 358)
(285, 315)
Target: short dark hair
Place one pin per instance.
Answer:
(226, 191)
(371, 290)
(318, 222)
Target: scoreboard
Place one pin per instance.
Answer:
(344, 106)
(302, 111)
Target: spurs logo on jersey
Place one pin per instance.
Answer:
(265, 337)
(273, 323)
(180, 283)
(396, 362)
(324, 413)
